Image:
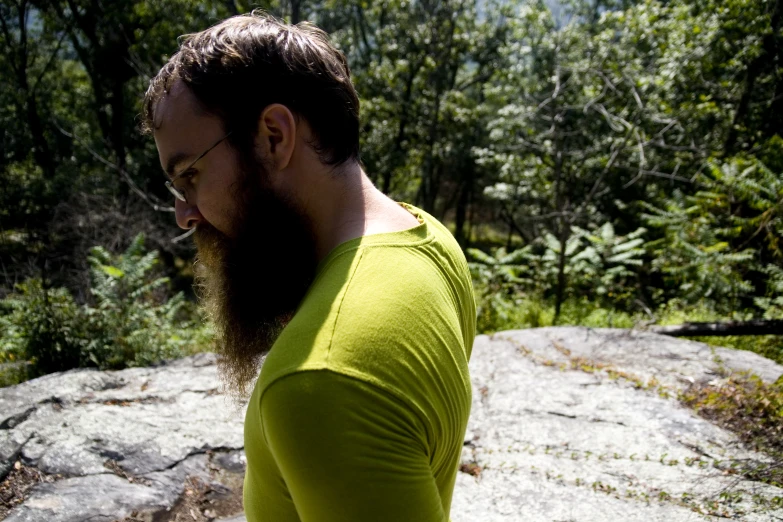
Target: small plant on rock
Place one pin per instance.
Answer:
(751, 408)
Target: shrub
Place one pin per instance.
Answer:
(13, 373)
(599, 263)
(539, 312)
(499, 280)
(130, 321)
(43, 326)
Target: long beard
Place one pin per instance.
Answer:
(251, 284)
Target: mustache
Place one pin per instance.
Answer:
(209, 242)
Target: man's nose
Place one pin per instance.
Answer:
(187, 215)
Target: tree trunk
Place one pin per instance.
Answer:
(758, 327)
(398, 154)
(465, 197)
(41, 153)
(118, 120)
(775, 114)
(768, 55)
(564, 227)
(296, 11)
(561, 278)
(27, 106)
(231, 7)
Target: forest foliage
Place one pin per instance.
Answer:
(602, 162)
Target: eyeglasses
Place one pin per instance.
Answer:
(170, 183)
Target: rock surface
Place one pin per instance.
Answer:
(127, 441)
(556, 443)
(567, 424)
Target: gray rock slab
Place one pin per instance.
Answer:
(238, 518)
(139, 433)
(550, 442)
(555, 443)
(108, 497)
(145, 419)
(98, 498)
(671, 360)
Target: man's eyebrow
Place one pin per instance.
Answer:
(176, 159)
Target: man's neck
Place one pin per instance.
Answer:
(344, 205)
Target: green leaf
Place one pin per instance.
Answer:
(112, 271)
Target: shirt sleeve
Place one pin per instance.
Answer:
(349, 451)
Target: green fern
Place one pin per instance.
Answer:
(605, 268)
(134, 320)
(714, 239)
(500, 281)
(772, 303)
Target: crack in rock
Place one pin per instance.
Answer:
(619, 423)
(116, 401)
(15, 420)
(557, 413)
(200, 451)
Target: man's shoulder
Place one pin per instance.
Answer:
(377, 308)
(368, 291)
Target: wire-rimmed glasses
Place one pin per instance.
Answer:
(180, 195)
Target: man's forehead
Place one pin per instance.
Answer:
(182, 127)
(177, 103)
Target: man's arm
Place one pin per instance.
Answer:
(349, 451)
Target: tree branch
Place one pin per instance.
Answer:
(125, 176)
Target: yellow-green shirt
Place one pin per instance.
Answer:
(362, 404)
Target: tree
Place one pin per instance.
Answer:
(420, 68)
(573, 130)
(72, 74)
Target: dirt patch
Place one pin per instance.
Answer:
(202, 501)
(471, 468)
(16, 485)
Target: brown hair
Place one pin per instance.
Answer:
(245, 63)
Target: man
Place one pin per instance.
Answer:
(364, 305)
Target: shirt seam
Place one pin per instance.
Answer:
(340, 306)
(421, 242)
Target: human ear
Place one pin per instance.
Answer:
(276, 135)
